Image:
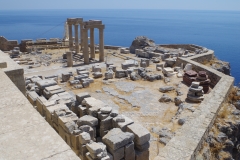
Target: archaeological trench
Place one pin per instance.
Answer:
(72, 99)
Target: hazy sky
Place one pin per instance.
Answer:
(121, 4)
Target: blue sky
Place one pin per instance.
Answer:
(121, 4)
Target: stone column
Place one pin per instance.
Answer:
(101, 45)
(70, 36)
(69, 59)
(92, 46)
(85, 46)
(81, 35)
(76, 38)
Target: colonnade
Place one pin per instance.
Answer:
(84, 27)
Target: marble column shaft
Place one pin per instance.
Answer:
(101, 45)
(69, 59)
(92, 46)
(81, 35)
(70, 37)
(76, 38)
(85, 46)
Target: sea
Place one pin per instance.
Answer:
(216, 30)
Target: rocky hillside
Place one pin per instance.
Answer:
(223, 141)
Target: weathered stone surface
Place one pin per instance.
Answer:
(97, 150)
(142, 147)
(118, 122)
(92, 102)
(65, 77)
(165, 98)
(178, 100)
(166, 89)
(129, 152)
(141, 134)
(144, 155)
(106, 110)
(116, 138)
(84, 138)
(87, 120)
(80, 96)
(117, 154)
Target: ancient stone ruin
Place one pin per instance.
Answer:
(146, 101)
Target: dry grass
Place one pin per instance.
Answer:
(224, 112)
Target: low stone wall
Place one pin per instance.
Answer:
(189, 139)
(14, 71)
(213, 75)
(7, 45)
(113, 47)
(190, 47)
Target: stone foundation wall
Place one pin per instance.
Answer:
(24, 133)
(113, 47)
(14, 71)
(194, 60)
(190, 47)
(7, 45)
(189, 139)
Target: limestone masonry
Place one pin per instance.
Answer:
(60, 100)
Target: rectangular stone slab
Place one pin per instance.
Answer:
(141, 134)
(116, 138)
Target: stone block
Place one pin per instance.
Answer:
(92, 102)
(80, 96)
(121, 73)
(114, 113)
(108, 75)
(80, 77)
(65, 77)
(106, 124)
(106, 110)
(39, 104)
(85, 84)
(50, 91)
(96, 149)
(97, 74)
(42, 84)
(45, 105)
(62, 120)
(84, 138)
(102, 116)
(108, 157)
(117, 154)
(116, 139)
(87, 120)
(144, 155)
(141, 134)
(96, 68)
(50, 111)
(120, 124)
(80, 69)
(82, 152)
(75, 144)
(82, 111)
(129, 152)
(93, 111)
(83, 73)
(142, 147)
(65, 136)
(32, 97)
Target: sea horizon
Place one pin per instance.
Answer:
(218, 30)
